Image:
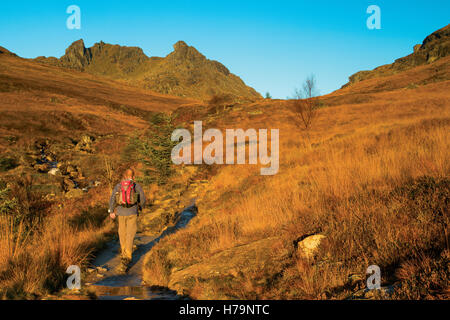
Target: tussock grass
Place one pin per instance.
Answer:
(372, 176)
(34, 255)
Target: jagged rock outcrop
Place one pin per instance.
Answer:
(100, 59)
(77, 56)
(184, 72)
(434, 47)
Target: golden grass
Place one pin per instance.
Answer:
(349, 177)
(338, 178)
(33, 262)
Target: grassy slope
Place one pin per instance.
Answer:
(43, 235)
(241, 244)
(184, 72)
(355, 177)
(33, 89)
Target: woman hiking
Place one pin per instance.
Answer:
(126, 200)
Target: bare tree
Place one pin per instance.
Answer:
(306, 103)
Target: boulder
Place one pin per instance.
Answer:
(308, 247)
(54, 172)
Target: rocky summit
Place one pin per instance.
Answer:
(434, 47)
(184, 72)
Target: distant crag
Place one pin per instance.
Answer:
(434, 47)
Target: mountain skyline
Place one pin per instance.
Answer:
(362, 177)
(185, 72)
(272, 47)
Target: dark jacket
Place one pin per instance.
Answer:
(123, 211)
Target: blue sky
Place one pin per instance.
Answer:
(272, 45)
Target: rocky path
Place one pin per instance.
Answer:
(109, 285)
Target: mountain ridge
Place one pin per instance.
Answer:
(184, 72)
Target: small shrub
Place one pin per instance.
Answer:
(424, 278)
(305, 104)
(153, 150)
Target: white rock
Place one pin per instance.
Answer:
(54, 171)
(308, 246)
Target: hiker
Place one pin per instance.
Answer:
(126, 200)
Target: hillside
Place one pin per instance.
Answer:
(185, 72)
(433, 47)
(368, 183)
(311, 231)
(62, 140)
(36, 96)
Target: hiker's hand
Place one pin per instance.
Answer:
(112, 215)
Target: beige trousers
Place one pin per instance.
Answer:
(127, 231)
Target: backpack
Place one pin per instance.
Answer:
(127, 196)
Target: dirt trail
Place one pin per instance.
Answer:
(109, 285)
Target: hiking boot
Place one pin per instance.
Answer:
(121, 268)
(124, 265)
